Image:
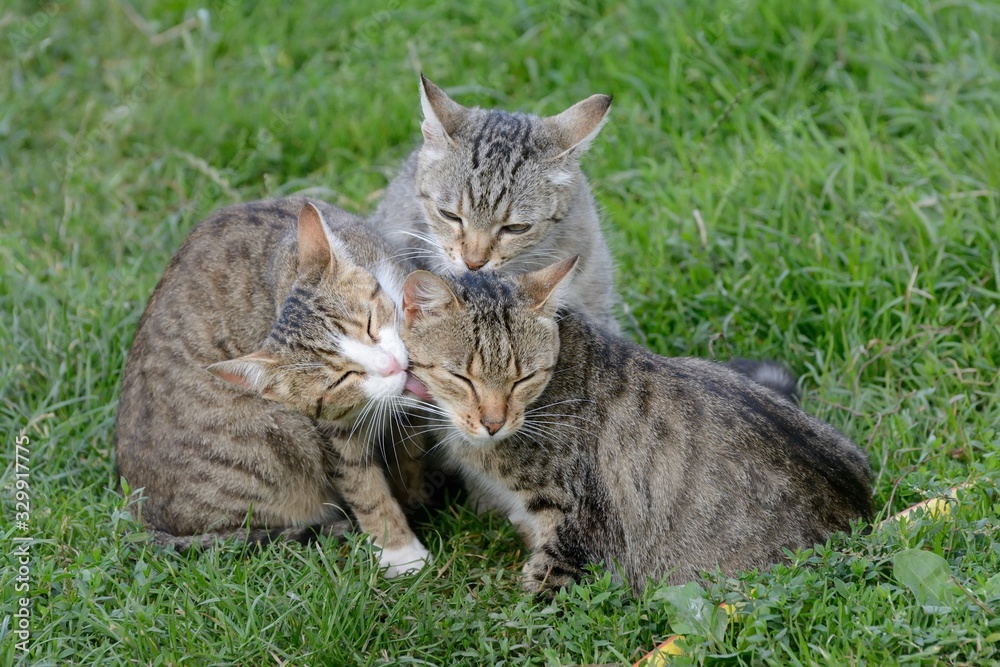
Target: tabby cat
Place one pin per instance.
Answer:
(504, 191)
(603, 452)
(252, 398)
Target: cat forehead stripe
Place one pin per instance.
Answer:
(499, 150)
(497, 140)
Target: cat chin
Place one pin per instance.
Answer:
(382, 388)
(482, 441)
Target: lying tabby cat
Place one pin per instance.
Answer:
(243, 406)
(603, 452)
(503, 191)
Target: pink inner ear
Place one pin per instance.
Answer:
(409, 311)
(411, 306)
(428, 134)
(231, 377)
(240, 381)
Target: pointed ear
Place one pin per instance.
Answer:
(315, 254)
(542, 285)
(442, 115)
(423, 294)
(253, 372)
(577, 126)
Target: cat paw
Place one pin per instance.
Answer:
(404, 560)
(544, 578)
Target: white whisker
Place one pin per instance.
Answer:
(555, 403)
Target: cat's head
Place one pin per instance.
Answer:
(491, 183)
(485, 345)
(335, 346)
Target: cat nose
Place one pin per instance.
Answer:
(493, 424)
(474, 264)
(392, 367)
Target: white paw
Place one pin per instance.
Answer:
(404, 560)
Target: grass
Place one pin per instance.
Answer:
(816, 182)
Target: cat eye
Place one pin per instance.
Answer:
(341, 379)
(518, 228)
(523, 380)
(465, 381)
(448, 215)
(371, 334)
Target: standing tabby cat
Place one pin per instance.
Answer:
(502, 191)
(249, 398)
(602, 451)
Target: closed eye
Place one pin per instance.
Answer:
(523, 380)
(448, 215)
(464, 380)
(371, 334)
(341, 380)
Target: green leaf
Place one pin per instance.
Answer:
(694, 614)
(991, 589)
(928, 577)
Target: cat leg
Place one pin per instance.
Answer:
(410, 464)
(556, 560)
(363, 484)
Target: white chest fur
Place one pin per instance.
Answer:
(489, 493)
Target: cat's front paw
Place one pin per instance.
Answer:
(404, 560)
(543, 576)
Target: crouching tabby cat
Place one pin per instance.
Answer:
(502, 191)
(249, 398)
(603, 452)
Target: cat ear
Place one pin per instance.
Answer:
(577, 126)
(253, 372)
(315, 253)
(542, 286)
(442, 115)
(423, 294)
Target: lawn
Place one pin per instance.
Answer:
(814, 182)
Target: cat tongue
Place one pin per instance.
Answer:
(416, 387)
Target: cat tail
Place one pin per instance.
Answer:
(771, 374)
(254, 537)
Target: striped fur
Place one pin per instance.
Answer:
(502, 191)
(240, 409)
(608, 453)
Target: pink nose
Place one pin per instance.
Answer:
(393, 367)
(494, 424)
(474, 264)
